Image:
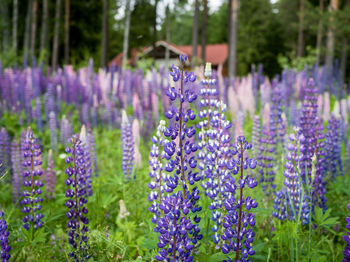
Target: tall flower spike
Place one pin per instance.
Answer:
(291, 198)
(307, 124)
(346, 251)
(38, 114)
(76, 194)
(318, 182)
(5, 149)
(66, 131)
(4, 242)
(157, 173)
(256, 133)
(128, 146)
(266, 158)
(50, 176)
(31, 201)
(333, 148)
(238, 234)
(214, 143)
(179, 232)
(87, 160)
(16, 170)
(277, 125)
(53, 130)
(347, 158)
(92, 149)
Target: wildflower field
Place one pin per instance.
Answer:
(121, 165)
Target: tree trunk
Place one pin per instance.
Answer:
(155, 29)
(15, 26)
(344, 52)
(27, 32)
(319, 34)
(56, 35)
(33, 32)
(195, 34)
(333, 6)
(104, 34)
(344, 56)
(126, 32)
(167, 52)
(43, 36)
(300, 51)
(204, 29)
(66, 32)
(232, 59)
(5, 25)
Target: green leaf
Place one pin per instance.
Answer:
(217, 257)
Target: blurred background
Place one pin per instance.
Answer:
(275, 33)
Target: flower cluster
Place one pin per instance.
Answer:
(291, 198)
(128, 146)
(266, 158)
(333, 147)
(76, 194)
(50, 176)
(256, 132)
(157, 173)
(66, 131)
(277, 125)
(4, 243)
(238, 234)
(5, 149)
(53, 129)
(84, 137)
(319, 168)
(38, 114)
(31, 201)
(308, 124)
(92, 150)
(346, 251)
(16, 170)
(173, 154)
(176, 229)
(214, 154)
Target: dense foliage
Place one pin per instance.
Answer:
(181, 181)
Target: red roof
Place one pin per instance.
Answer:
(215, 53)
(118, 60)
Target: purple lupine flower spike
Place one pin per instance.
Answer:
(4, 242)
(214, 149)
(66, 130)
(347, 158)
(266, 158)
(31, 201)
(333, 148)
(87, 160)
(128, 146)
(256, 133)
(173, 163)
(238, 234)
(50, 176)
(307, 124)
(346, 251)
(16, 171)
(76, 194)
(38, 114)
(5, 149)
(92, 149)
(53, 130)
(318, 184)
(288, 201)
